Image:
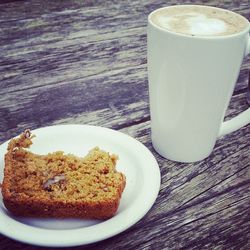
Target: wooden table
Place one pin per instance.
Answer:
(84, 62)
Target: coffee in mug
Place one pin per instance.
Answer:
(194, 58)
(199, 21)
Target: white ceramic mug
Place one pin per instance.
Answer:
(191, 81)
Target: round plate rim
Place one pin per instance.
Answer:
(116, 224)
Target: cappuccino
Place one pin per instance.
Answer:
(198, 20)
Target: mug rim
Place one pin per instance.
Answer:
(245, 30)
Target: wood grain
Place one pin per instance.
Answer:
(84, 62)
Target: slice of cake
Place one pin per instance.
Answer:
(60, 185)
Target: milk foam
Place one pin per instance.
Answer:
(203, 25)
(199, 21)
(197, 24)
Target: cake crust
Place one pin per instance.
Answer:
(59, 185)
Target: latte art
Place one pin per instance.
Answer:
(202, 25)
(198, 20)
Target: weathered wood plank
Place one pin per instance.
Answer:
(55, 66)
(61, 49)
(85, 104)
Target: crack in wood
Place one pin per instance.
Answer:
(130, 123)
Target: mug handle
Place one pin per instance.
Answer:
(240, 120)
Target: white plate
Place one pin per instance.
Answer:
(135, 161)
